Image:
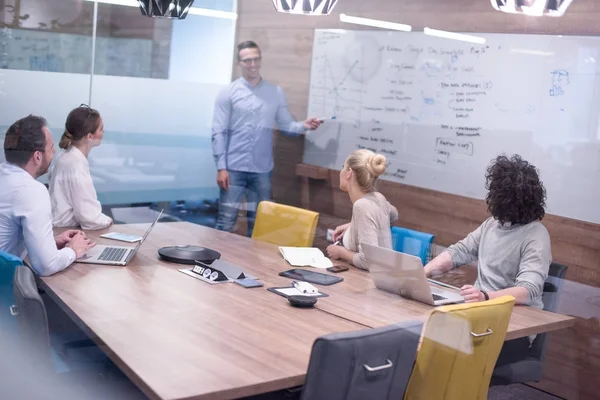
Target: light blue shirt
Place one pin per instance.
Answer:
(243, 122)
(26, 222)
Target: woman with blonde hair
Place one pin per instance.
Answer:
(372, 214)
(72, 192)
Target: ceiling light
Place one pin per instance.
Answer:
(536, 8)
(306, 7)
(375, 22)
(454, 36)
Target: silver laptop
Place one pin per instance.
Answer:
(115, 255)
(403, 274)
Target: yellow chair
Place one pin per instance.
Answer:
(285, 225)
(460, 347)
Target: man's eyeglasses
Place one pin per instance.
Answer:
(248, 61)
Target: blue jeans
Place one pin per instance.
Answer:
(255, 186)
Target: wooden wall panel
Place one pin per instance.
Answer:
(573, 358)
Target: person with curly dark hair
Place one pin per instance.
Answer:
(512, 246)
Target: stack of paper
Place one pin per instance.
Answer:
(305, 257)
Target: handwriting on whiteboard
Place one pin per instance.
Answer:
(468, 131)
(560, 79)
(454, 146)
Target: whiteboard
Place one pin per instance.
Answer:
(441, 109)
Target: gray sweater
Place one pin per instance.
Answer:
(371, 218)
(508, 256)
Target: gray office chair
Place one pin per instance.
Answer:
(372, 364)
(530, 368)
(76, 369)
(54, 352)
(32, 320)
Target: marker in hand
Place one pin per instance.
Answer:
(323, 119)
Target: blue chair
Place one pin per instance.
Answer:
(8, 264)
(412, 242)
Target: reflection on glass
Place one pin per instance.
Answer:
(46, 56)
(153, 83)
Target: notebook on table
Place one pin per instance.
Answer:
(305, 257)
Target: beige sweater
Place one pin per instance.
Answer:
(371, 219)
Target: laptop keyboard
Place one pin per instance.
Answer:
(437, 297)
(112, 254)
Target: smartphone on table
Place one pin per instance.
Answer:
(248, 283)
(337, 268)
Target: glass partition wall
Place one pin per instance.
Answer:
(153, 81)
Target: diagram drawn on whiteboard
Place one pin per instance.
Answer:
(341, 95)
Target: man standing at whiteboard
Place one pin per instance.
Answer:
(242, 137)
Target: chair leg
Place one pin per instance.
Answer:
(285, 394)
(78, 344)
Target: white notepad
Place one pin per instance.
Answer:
(305, 257)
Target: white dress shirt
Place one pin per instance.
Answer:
(26, 222)
(74, 199)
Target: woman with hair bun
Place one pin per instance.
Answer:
(72, 192)
(372, 214)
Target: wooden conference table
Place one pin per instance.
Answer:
(177, 337)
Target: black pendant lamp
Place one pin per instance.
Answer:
(173, 9)
(306, 7)
(535, 8)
